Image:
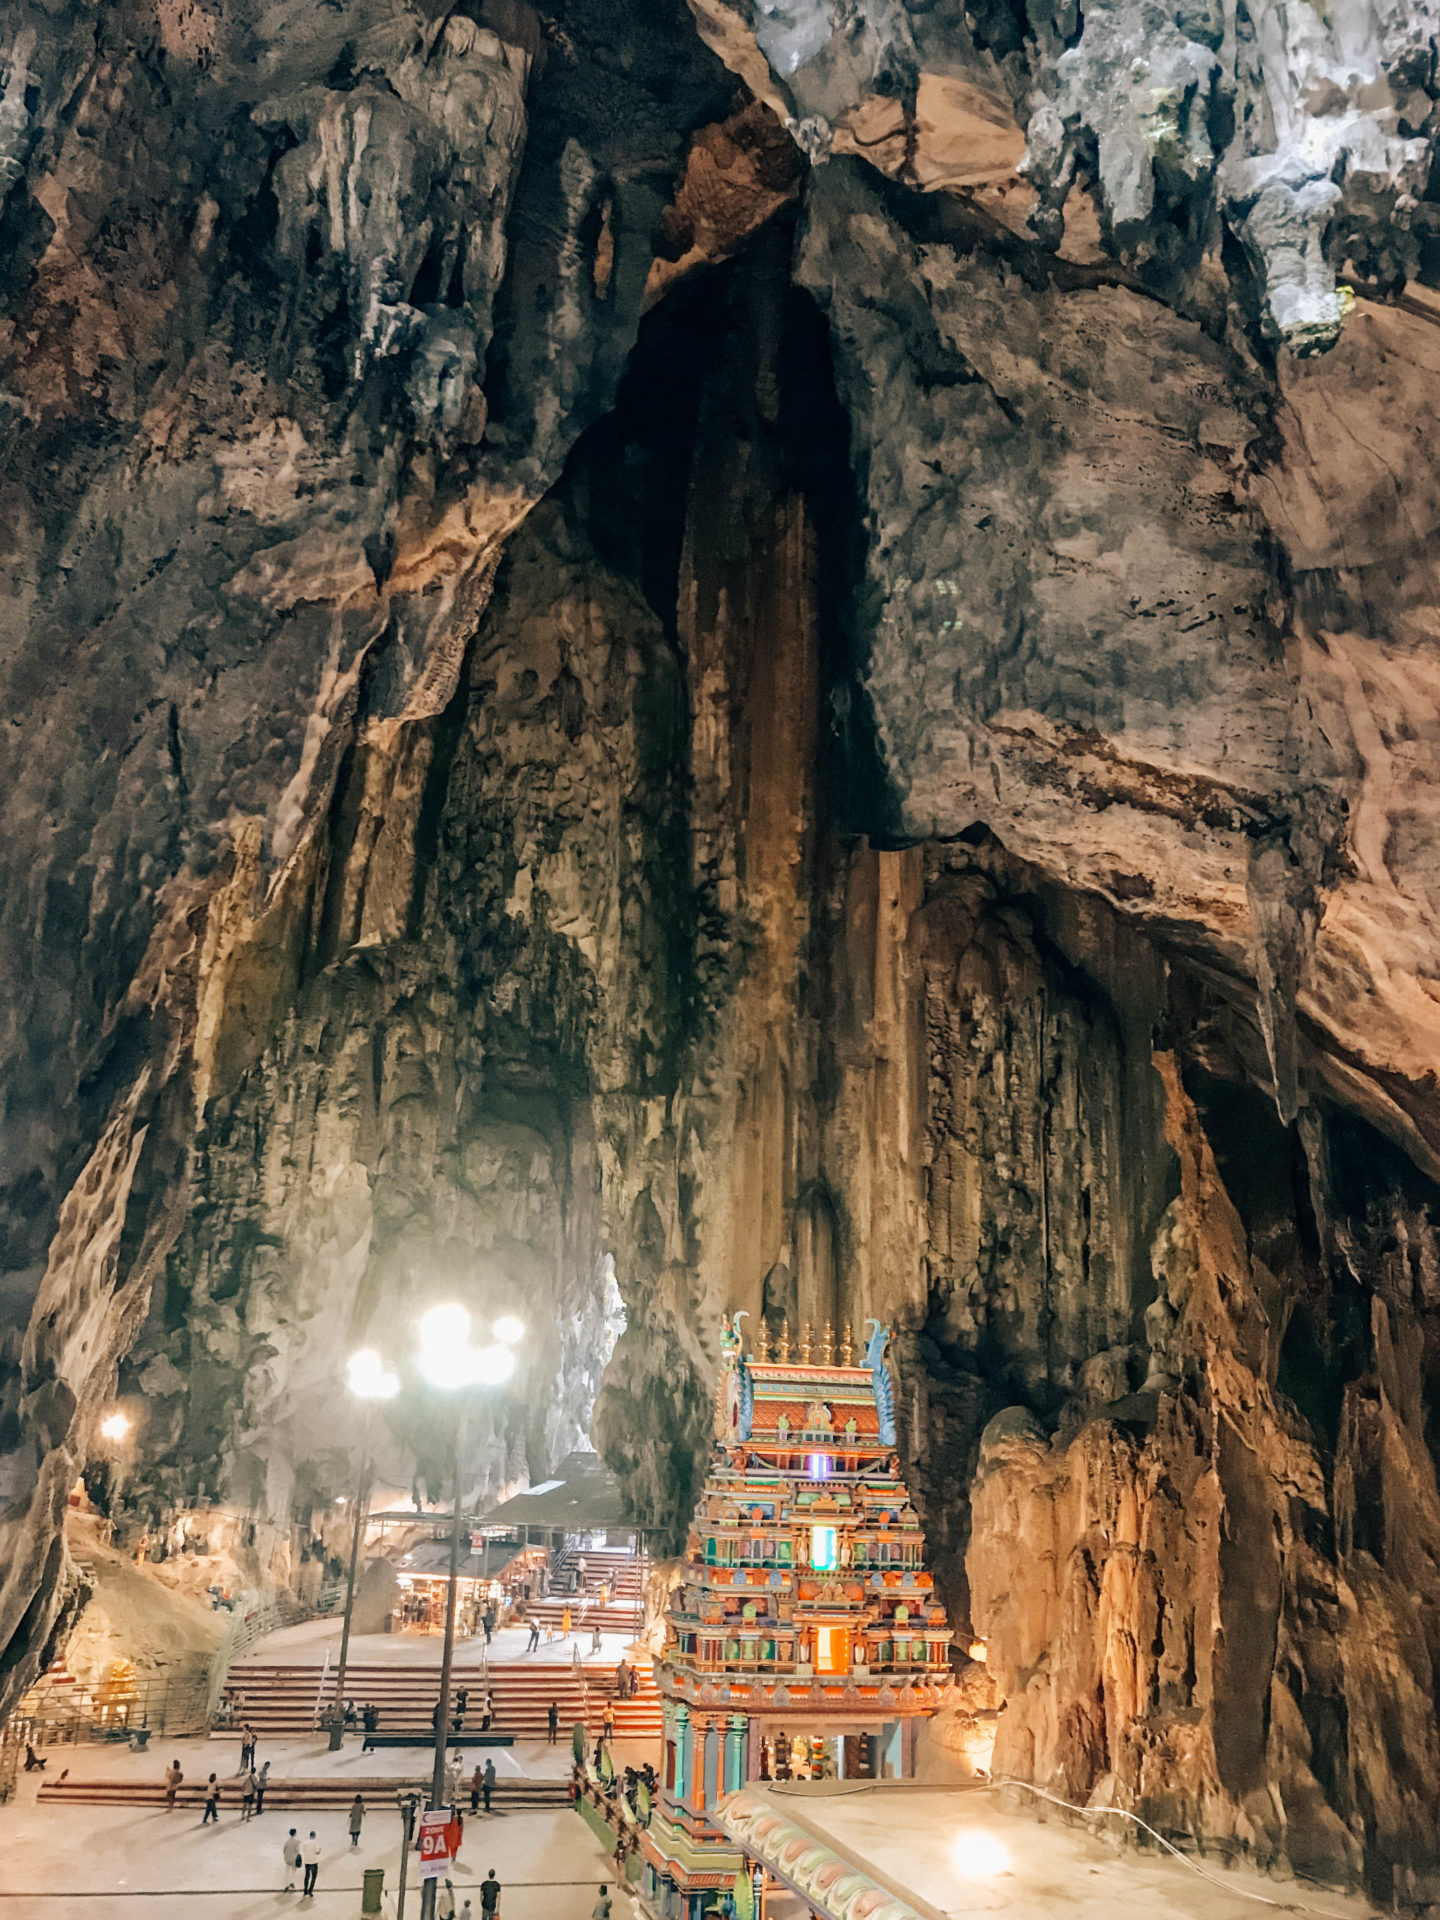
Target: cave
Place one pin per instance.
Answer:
(712, 663)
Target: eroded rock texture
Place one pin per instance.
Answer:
(779, 657)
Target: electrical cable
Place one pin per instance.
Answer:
(1243, 1893)
(842, 1788)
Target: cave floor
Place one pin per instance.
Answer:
(313, 1640)
(938, 1846)
(119, 1863)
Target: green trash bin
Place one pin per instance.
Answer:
(373, 1888)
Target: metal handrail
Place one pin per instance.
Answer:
(255, 1616)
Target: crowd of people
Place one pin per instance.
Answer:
(302, 1857)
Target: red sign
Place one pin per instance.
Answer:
(439, 1841)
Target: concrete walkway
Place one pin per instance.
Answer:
(122, 1863)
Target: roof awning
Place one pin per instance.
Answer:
(581, 1496)
(431, 1561)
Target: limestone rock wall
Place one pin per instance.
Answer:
(768, 657)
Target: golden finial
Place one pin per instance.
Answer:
(782, 1352)
(847, 1347)
(762, 1339)
(805, 1344)
(827, 1345)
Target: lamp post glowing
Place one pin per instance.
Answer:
(449, 1362)
(368, 1381)
(114, 1428)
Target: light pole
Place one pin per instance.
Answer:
(369, 1382)
(449, 1362)
(409, 1807)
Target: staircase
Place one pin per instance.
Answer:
(290, 1796)
(621, 1614)
(275, 1698)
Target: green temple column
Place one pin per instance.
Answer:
(735, 1732)
(710, 1785)
(682, 1753)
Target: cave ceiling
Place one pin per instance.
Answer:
(776, 654)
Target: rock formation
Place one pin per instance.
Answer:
(770, 656)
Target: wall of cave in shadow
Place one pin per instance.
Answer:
(512, 1028)
(621, 954)
(1169, 1410)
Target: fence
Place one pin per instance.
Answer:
(61, 1712)
(253, 1618)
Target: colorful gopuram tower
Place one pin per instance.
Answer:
(804, 1639)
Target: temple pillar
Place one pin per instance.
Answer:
(682, 1753)
(735, 1753)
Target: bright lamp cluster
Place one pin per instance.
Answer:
(369, 1379)
(449, 1360)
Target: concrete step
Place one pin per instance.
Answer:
(283, 1698)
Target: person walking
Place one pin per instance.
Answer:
(310, 1853)
(607, 1720)
(247, 1750)
(566, 1622)
(371, 1721)
(445, 1903)
(487, 1621)
(490, 1896)
(475, 1789)
(601, 1908)
(462, 1701)
(173, 1777)
(487, 1711)
(595, 1636)
(357, 1819)
(247, 1797)
(212, 1802)
(262, 1781)
(290, 1851)
(488, 1784)
(465, 1912)
(534, 1636)
(554, 1718)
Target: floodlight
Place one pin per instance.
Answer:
(491, 1365)
(369, 1379)
(442, 1327)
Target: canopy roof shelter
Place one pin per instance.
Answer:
(431, 1561)
(581, 1497)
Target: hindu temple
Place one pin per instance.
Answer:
(804, 1640)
